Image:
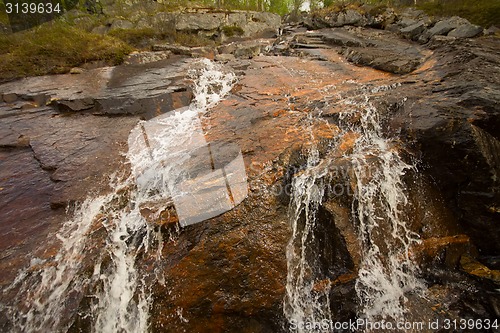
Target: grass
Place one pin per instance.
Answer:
(55, 48)
(482, 12)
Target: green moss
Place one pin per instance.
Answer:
(55, 48)
(231, 31)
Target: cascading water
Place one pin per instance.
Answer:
(48, 292)
(301, 303)
(386, 273)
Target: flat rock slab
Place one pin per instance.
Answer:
(146, 89)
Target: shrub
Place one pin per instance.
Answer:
(54, 48)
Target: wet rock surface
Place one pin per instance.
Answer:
(62, 136)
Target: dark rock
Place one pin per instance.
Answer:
(342, 38)
(466, 31)
(381, 50)
(350, 17)
(407, 22)
(444, 26)
(413, 31)
(81, 104)
(130, 89)
(460, 115)
(379, 59)
(337, 19)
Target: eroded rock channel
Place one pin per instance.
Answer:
(351, 138)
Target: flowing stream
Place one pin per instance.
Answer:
(386, 275)
(108, 275)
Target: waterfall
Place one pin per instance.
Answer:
(301, 303)
(48, 293)
(386, 273)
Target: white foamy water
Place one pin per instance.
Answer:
(49, 291)
(302, 303)
(387, 275)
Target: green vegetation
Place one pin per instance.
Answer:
(231, 31)
(482, 12)
(55, 48)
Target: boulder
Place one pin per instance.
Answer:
(407, 22)
(413, 31)
(466, 31)
(350, 17)
(199, 21)
(256, 22)
(100, 30)
(121, 24)
(444, 26)
(162, 21)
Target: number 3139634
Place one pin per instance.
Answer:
(472, 324)
(32, 8)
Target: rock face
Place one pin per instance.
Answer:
(439, 103)
(462, 119)
(203, 22)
